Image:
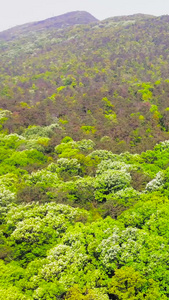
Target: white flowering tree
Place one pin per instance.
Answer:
(111, 181)
(39, 131)
(137, 248)
(157, 183)
(111, 165)
(35, 228)
(68, 166)
(4, 116)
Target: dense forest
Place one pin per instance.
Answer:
(84, 159)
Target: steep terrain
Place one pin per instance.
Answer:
(84, 159)
(106, 80)
(62, 21)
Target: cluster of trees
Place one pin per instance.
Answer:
(78, 222)
(84, 162)
(107, 82)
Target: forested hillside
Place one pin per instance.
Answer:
(107, 81)
(84, 159)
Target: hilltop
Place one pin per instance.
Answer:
(62, 21)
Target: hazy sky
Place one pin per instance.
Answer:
(16, 12)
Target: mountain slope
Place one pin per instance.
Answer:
(108, 81)
(78, 221)
(62, 21)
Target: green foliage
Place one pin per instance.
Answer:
(129, 284)
(12, 293)
(88, 129)
(67, 149)
(82, 214)
(11, 141)
(95, 294)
